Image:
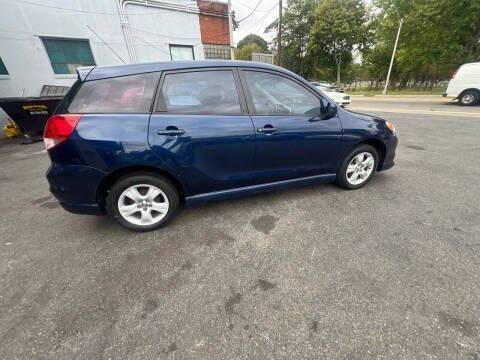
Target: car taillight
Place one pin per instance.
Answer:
(58, 129)
(453, 74)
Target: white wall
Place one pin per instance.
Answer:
(153, 33)
(22, 25)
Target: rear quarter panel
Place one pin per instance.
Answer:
(109, 142)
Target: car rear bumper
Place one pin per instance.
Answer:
(75, 187)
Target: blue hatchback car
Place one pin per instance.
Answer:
(137, 141)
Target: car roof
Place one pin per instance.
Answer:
(102, 72)
(472, 64)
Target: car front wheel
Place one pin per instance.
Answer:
(143, 201)
(358, 167)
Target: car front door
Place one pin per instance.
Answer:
(292, 140)
(202, 130)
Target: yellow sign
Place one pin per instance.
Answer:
(36, 109)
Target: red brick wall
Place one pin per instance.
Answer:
(214, 29)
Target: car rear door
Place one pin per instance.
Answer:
(201, 128)
(292, 141)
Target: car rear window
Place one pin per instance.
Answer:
(201, 92)
(62, 107)
(126, 94)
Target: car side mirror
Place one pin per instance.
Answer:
(329, 111)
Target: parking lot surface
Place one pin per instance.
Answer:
(390, 271)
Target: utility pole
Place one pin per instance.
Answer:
(230, 29)
(393, 57)
(279, 40)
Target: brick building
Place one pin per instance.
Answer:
(214, 29)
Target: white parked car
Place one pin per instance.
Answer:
(340, 98)
(328, 85)
(465, 85)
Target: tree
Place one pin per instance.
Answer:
(338, 28)
(437, 36)
(245, 52)
(253, 39)
(297, 19)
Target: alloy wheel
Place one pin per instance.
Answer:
(143, 204)
(360, 168)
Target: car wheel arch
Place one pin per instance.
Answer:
(376, 143)
(475, 90)
(112, 177)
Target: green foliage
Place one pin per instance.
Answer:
(320, 38)
(253, 39)
(437, 36)
(339, 26)
(245, 52)
(297, 21)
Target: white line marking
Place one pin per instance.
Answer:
(39, 152)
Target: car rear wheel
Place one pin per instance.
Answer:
(469, 98)
(358, 167)
(143, 201)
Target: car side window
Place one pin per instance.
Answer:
(124, 94)
(277, 95)
(201, 92)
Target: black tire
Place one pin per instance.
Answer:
(342, 180)
(148, 179)
(469, 98)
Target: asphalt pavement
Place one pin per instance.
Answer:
(390, 271)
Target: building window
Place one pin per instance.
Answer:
(213, 51)
(3, 69)
(67, 54)
(181, 52)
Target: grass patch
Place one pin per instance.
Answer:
(437, 90)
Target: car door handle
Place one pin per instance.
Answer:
(171, 132)
(267, 129)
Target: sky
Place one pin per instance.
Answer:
(265, 14)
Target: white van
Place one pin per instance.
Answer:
(465, 84)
